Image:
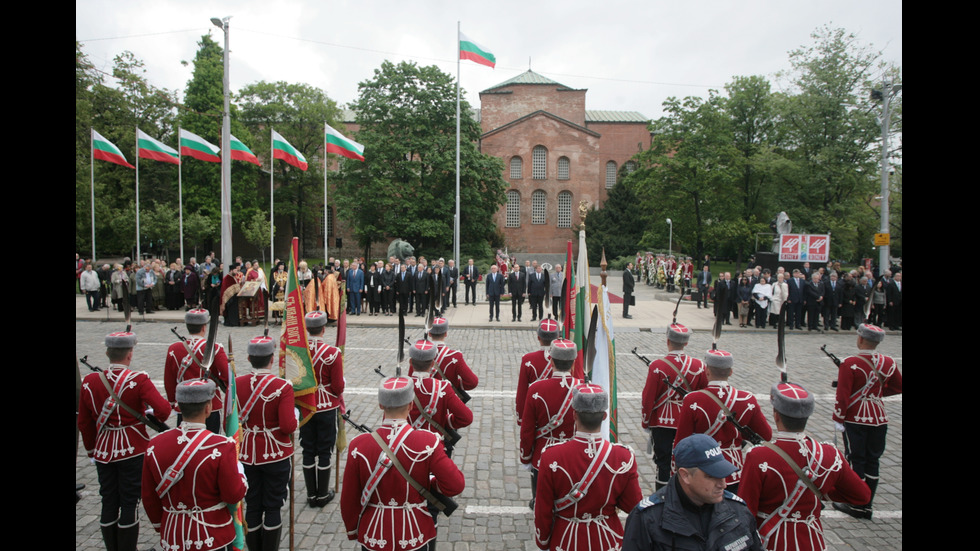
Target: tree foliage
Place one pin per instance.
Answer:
(406, 187)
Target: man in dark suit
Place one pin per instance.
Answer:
(451, 275)
(517, 285)
(537, 286)
(421, 289)
(814, 295)
(404, 284)
(795, 300)
(470, 275)
(704, 282)
(627, 290)
(893, 295)
(833, 295)
(495, 288)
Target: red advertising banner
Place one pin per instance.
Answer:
(803, 247)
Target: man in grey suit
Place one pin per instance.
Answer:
(557, 282)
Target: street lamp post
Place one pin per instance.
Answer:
(670, 240)
(888, 90)
(225, 155)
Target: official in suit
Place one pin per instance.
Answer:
(893, 294)
(495, 288)
(537, 286)
(556, 284)
(627, 290)
(470, 275)
(517, 285)
(704, 282)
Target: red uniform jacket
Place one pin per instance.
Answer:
(772, 491)
(192, 514)
(701, 414)
(328, 367)
(451, 367)
(535, 366)
(592, 522)
(266, 426)
(547, 415)
(379, 507)
(181, 366)
(859, 390)
(662, 404)
(111, 433)
(440, 402)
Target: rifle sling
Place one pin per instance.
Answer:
(139, 416)
(408, 478)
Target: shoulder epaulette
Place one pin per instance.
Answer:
(654, 499)
(733, 497)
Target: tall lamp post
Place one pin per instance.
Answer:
(888, 90)
(670, 240)
(225, 155)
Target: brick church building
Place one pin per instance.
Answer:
(556, 154)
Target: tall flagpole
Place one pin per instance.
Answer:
(138, 256)
(326, 229)
(91, 150)
(272, 197)
(456, 226)
(180, 196)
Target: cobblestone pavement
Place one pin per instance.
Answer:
(493, 511)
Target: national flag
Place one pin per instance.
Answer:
(104, 150)
(282, 150)
(342, 145)
(195, 146)
(233, 430)
(341, 343)
(604, 367)
(295, 363)
(241, 152)
(469, 49)
(569, 294)
(582, 310)
(150, 148)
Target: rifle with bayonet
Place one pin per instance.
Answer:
(834, 358)
(450, 434)
(147, 420)
(346, 417)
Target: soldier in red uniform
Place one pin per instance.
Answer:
(583, 480)
(705, 411)
(190, 475)
(547, 415)
(450, 365)
(268, 417)
(184, 364)
(862, 381)
(787, 505)
(668, 380)
(536, 366)
(318, 436)
(115, 439)
(435, 407)
(380, 508)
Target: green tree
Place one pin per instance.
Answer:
(407, 118)
(256, 231)
(297, 112)
(617, 227)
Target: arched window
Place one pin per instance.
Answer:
(630, 167)
(513, 209)
(516, 168)
(539, 204)
(539, 163)
(565, 209)
(563, 165)
(610, 174)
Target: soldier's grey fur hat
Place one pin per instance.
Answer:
(871, 333)
(791, 400)
(719, 359)
(422, 351)
(262, 346)
(678, 333)
(396, 392)
(195, 391)
(316, 318)
(440, 326)
(120, 339)
(589, 398)
(563, 349)
(548, 329)
(197, 316)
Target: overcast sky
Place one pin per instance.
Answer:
(630, 55)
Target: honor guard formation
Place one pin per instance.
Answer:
(725, 477)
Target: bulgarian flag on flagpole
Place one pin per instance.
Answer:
(295, 363)
(282, 150)
(150, 148)
(195, 146)
(341, 145)
(241, 152)
(604, 367)
(104, 150)
(582, 310)
(469, 49)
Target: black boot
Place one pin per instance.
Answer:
(310, 476)
(253, 540)
(270, 539)
(324, 494)
(110, 536)
(127, 537)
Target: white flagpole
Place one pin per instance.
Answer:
(272, 197)
(456, 226)
(326, 229)
(91, 137)
(138, 256)
(180, 196)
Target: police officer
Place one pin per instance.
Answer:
(268, 417)
(862, 381)
(190, 475)
(693, 511)
(115, 438)
(318, 435)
